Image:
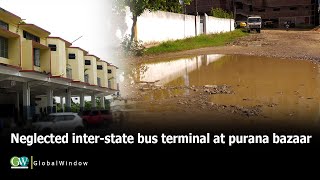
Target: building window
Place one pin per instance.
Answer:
(69, 73)
(86, 78)
(30, 36)
(4, 25)
(261, 10)
(109, 71)
(293, 8)
(99, 81)
(3, 47)
(87, 62)
(72, 56)
(276, 9)
(53, 47)
(99, 67)
(36, 57)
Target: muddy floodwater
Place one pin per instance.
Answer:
(283, 89)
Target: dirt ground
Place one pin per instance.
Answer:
(292, 44)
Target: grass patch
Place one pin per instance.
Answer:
(196, 42)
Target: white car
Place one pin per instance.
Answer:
(254, 23)
(59, 122)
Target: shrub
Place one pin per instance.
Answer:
(134, 48)
(220, 13)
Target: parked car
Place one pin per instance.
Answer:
(243, 24)
(240, 24)
(254, 23)
(59, 122)
(97, 117)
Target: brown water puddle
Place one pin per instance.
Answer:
(286, 89)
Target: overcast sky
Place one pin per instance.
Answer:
(70, 19)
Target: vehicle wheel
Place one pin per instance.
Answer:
(258, 30)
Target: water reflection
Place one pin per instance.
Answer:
(168, 71)
(287, 89)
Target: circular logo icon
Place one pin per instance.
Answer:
(14, 161)
(24, 161)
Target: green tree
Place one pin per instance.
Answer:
(75, 107)
(59, 107)
(221, 13)
(87, 105)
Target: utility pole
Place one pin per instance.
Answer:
(234, 10)
(234, 14)
(318, 10)
(196, 15)
(184, 12)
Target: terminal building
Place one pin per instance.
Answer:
(35, 68)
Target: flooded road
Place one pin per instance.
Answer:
(284, 89)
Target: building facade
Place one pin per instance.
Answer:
(36, 55)
(75, 63)
(102, 74)
(35, 68)
(10, 41)
(112, 76)
(90, 69)
(298, 12)
(59, 47)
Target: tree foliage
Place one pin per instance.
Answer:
(170, 5)
(132, 48)
(221, 13)
(75, 107)
(137, 7)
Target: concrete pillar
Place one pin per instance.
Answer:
(18, 103)
(49, 101)
(93, 101)
(205, 21)
(26, 102)
(62, 103)
(102, 102)
(68, 100)
(17, 108)
(81, 102)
